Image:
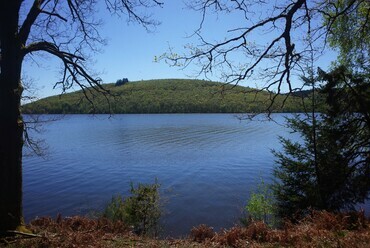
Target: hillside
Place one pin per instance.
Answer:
(164, 96)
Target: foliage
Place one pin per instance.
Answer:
(348, 96)
(141, 210)
(115, 210)
(120, 82)
(350, 33)
(260, 206)
(166, 96)
(330, 169)
(296, 187)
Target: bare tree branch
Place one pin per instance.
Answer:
(72, 39)
(131, 8)
(271, 41)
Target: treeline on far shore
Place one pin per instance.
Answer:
(166, 96)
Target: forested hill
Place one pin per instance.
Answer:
(164, 96)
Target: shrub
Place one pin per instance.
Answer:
(231, 237)
(260, 206)
(258, 231)
(115, 210)
(202, 233)
(141, 210)
(337, 221)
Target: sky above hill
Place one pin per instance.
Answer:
(131, 50)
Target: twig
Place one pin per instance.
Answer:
(25, 234)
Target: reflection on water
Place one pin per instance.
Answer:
(207, 164)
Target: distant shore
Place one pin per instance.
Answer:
(167, 96)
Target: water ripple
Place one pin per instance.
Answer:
(208, 162)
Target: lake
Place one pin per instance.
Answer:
(207, 164)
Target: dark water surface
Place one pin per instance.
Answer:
(207, 164)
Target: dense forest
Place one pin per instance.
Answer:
(166, 96)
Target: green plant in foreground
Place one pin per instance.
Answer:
(115, 210)
(260, 206)
(142, 209)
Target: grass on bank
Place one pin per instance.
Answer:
(320, 229)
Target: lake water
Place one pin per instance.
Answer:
(207, 164)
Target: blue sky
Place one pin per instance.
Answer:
(131, 50)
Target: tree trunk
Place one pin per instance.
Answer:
(11, 124)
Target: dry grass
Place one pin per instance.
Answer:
(70, 232)
(202, 233)
(320, 229)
